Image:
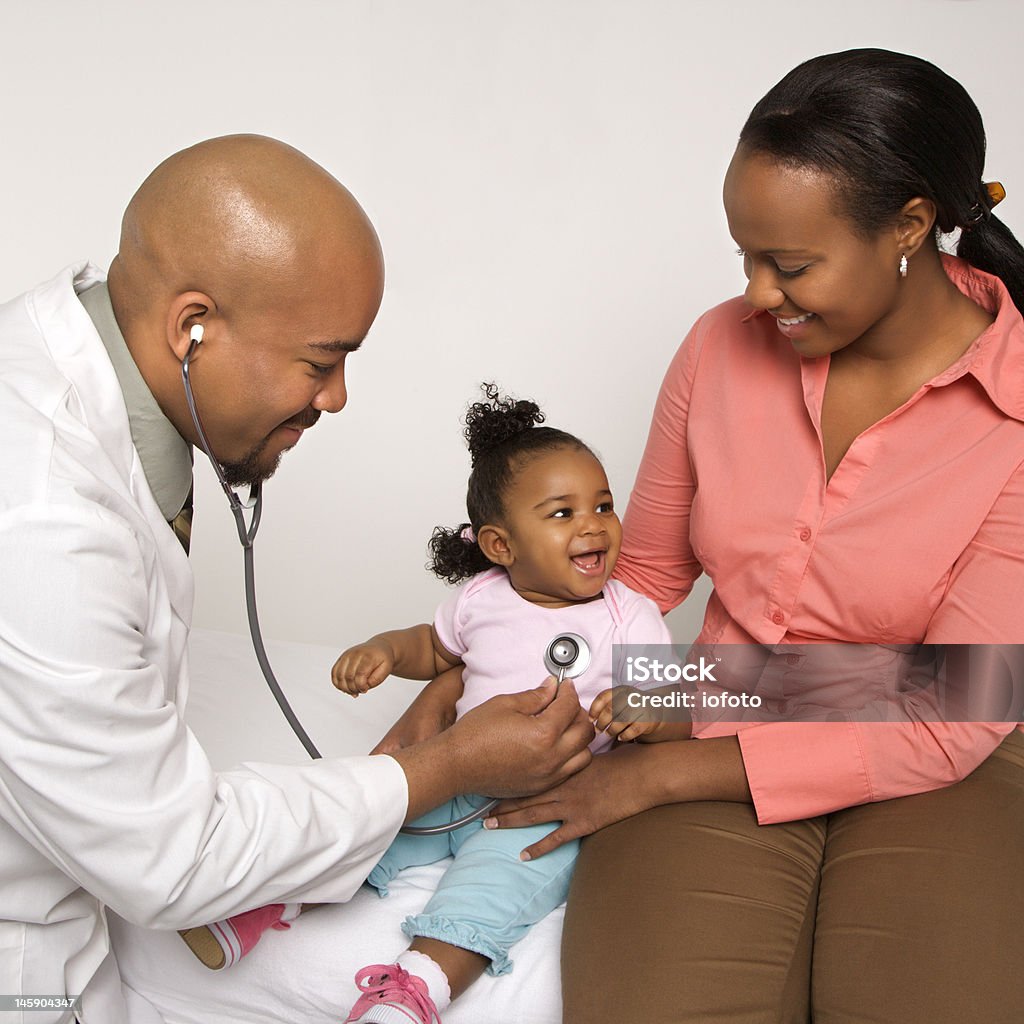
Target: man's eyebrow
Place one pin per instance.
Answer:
(335, 346)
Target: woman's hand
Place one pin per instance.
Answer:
(629, 779)
(609, 789)
(429, 714)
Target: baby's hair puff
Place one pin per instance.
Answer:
(503, 434)
(498, 420)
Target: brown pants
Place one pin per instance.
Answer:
(904, 911)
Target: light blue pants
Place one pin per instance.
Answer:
(488, 898)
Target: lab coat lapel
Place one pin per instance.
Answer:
(80, 353)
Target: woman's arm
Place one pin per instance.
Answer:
(657, 559)
(798, 770)
(627, 780)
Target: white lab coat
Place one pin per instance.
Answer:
(106, 798)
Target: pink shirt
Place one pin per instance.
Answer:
(917, 537)
(501, 637)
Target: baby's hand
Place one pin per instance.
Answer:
(362, 667)
(625, 725)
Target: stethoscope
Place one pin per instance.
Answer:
(566, 657)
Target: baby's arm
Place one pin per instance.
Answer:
(626, 725)
(413, 653)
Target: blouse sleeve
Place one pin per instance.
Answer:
(656, 557)
(798, 770)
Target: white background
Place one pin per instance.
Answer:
(545, 178)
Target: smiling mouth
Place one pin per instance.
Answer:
(792, 321)
(590, 563)
(303, 421)
(298, 425)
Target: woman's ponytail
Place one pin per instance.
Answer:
(991, 246)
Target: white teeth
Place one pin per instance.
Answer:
(795, 320)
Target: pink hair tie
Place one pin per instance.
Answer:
(468, 535)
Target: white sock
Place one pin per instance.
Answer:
(290, 912)
(430, 971)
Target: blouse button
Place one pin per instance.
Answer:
(778, 618)
(805, 534)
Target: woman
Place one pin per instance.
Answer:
(842, 451)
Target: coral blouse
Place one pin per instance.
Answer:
(917, 537)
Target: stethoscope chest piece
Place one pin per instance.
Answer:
(567, 656)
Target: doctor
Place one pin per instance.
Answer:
(106, 798)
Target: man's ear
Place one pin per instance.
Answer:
(186, 310)
(494, 543)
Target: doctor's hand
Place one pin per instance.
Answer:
(512, 744)
(526, 742)
(430, 713)
(363, 667)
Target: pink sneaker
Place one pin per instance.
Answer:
(391, 995)
(224, 943)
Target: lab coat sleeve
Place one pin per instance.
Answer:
(99, 773)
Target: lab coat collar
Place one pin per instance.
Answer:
(165, 455)
(76, 348)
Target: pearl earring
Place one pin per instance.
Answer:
(903, 265)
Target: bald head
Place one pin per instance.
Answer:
(275, 258)
(234, 216)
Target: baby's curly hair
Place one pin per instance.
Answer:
(503, 434)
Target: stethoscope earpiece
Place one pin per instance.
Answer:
(567, 656)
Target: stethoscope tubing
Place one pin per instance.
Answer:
(246, 535)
